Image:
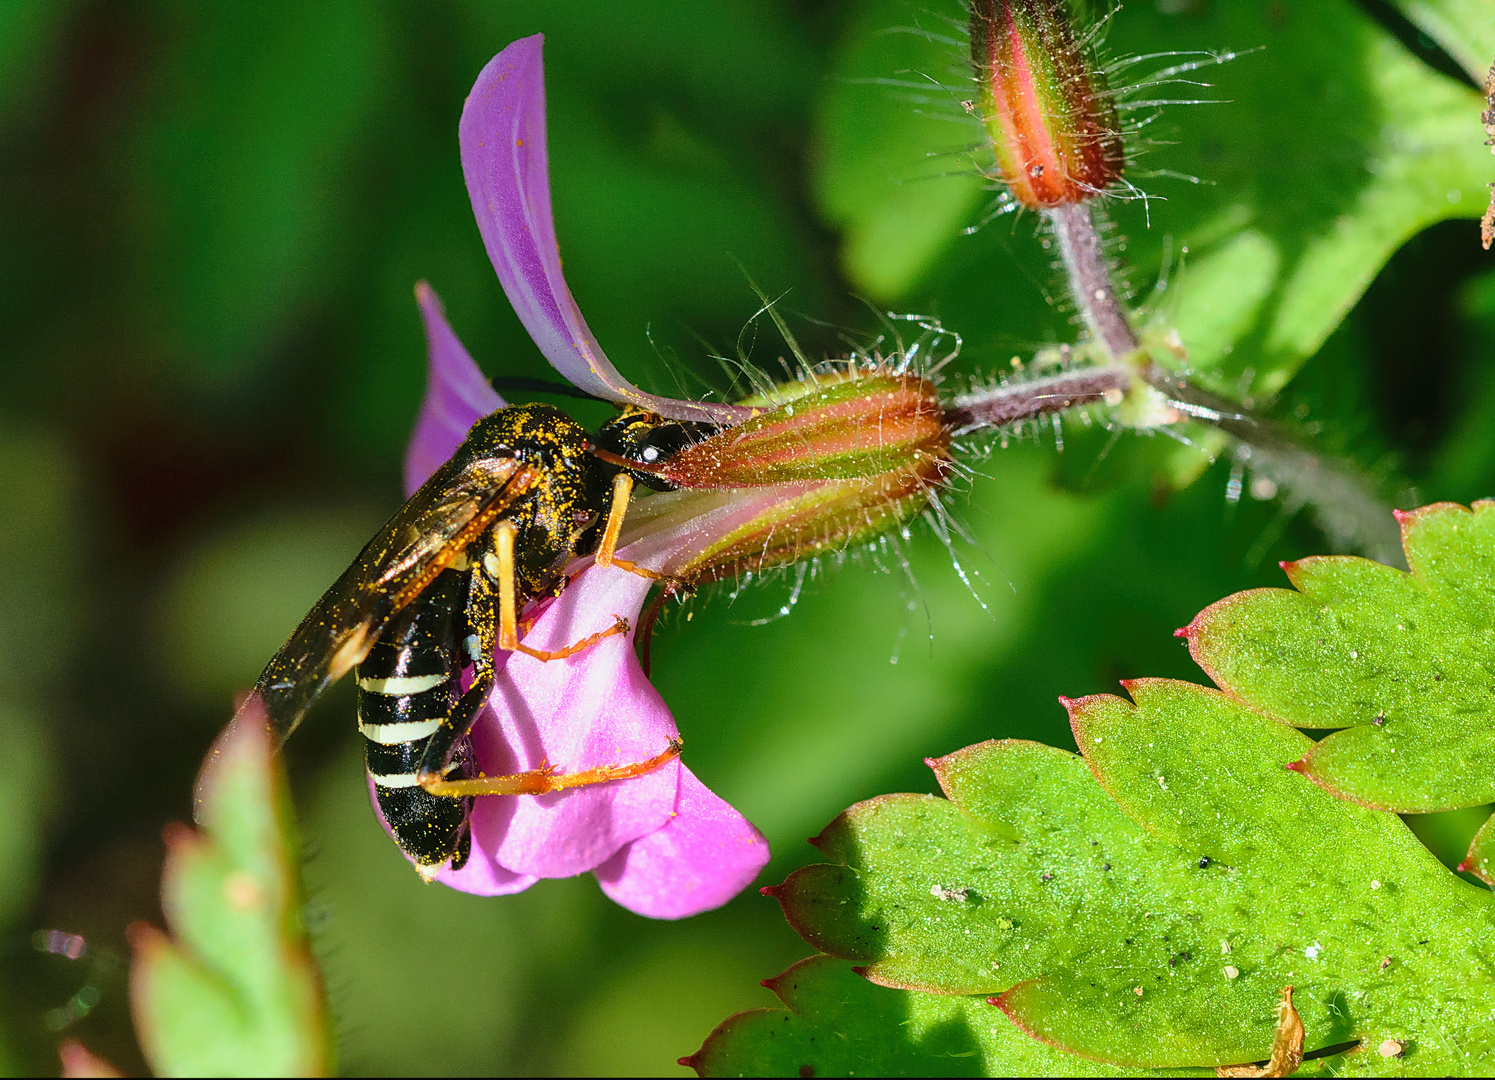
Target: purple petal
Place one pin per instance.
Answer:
(502, 137)
(457, 396)
(706, 855)
(594, 708)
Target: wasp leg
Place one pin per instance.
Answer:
(443, 744)
(546, 779)
(622, 491)
(508, 605)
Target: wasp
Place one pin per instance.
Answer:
(443, 583)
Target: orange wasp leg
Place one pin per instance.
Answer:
(508, 604)
(622, 492)
(546, 779)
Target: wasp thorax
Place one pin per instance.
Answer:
(835, 461)
(1044, 102)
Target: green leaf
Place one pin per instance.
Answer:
(1152, 918)
(234, 992)
(1319, 155)
(834, 1023)
(1481, 858)
(1464, 28)
(899, 207)
(1402, 665)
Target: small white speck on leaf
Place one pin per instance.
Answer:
(1224, 947)
(1162, 783)
(1375, 884)
(1312, 952)
(1390, 1048)
(1231, 972)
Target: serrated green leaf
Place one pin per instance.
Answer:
(234, 992)
(1402, 665)
(1319, 155)
(834, 1023)
(1153, 918)
(1481, 858)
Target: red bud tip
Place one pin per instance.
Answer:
(1044, 102)
(1299, 766)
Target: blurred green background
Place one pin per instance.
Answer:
(211, 219)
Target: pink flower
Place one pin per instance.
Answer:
(661, 844)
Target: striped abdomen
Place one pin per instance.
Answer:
(407, 685)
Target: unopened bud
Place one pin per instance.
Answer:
(854, 425)
(833, 463)
(1045, 104)
(811, 520)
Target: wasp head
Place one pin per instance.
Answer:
(640, 442)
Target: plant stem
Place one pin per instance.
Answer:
(1090, 279)
(1342, 499)
(1000, 405)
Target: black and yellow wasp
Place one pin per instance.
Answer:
(442, 584)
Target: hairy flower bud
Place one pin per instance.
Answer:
(850, 425)
(811, 520)
(1045, 105)
(833, 463)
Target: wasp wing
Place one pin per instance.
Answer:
(425, 536)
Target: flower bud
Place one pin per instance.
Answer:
(849, 426)
(830, 463)
(810, 520)
(1045, 105)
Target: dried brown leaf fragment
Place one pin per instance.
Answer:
(1287, 1045)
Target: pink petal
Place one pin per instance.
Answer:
(706, 855)
(594, 708)
(502, 136)
(457, 396)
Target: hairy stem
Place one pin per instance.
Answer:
(1000, 405)
(1341, 497)
(1090, 279)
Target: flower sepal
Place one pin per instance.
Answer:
(1044, 102)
